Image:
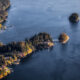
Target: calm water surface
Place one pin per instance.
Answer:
(28, 17)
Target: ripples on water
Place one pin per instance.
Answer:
(30, 17)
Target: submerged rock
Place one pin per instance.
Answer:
(63, 38)
(74, 18)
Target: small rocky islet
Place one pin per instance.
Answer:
(74, 18)
(63, 38)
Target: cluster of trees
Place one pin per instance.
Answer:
(4, 72)
(7, 59)
(14, 48)
(12, 52)
(4, 5)
(27, 46)
(39, 40)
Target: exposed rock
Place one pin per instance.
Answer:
(63, 38)
(74, 18)
(13, 46)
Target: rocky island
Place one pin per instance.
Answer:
(74, 18)
(11, 53)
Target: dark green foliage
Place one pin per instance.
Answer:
(11, 47)
(37, 40)
(2, 60)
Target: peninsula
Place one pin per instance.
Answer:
(12, 53)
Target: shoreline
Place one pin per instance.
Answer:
(4, 6)
(14, 52)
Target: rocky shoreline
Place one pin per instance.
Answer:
(11, 53)
(4, 5)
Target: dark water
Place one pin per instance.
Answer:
(28, 17)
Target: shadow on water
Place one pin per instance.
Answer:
(74, 26)
(64, 47)
(29, 57)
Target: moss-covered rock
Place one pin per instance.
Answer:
(2, 60)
